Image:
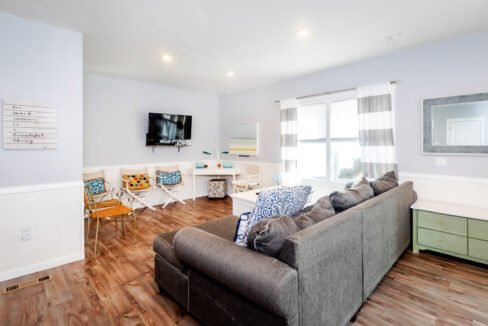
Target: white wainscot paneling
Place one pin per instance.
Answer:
(54, 213)
(449, 189)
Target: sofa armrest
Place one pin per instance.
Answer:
(264, 280)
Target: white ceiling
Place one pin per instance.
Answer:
(254, 38)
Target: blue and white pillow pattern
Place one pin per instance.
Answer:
(97, 186)
(168, 178)
(241, 227)
(282, 201)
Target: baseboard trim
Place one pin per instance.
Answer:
(26, 270)
(40, 187)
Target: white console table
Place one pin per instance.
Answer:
(217, 172)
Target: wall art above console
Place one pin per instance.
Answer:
(456, 125)
(29, 126)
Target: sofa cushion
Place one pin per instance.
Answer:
(267, 236)
(286, 201)
(384, 183)
(359, 192)
(163, 244)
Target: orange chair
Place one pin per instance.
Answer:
(107, 210)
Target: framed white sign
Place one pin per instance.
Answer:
(29, 126)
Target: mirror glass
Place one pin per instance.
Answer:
(460, 124)
(243, 140)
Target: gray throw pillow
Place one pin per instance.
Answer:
(315, 213)
(384, 183)
(267, 236)
(359, 192)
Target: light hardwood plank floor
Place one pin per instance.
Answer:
(117, 287)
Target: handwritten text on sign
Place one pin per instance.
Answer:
(29, 126)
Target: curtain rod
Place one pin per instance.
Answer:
(333, 92)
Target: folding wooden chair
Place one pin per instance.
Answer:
(136, 183)
(170, 180)
(250, 181)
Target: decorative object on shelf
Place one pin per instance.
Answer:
(226, 164)
(455, 125)
(29, 125)
(199, 165)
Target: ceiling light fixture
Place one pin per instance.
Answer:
(303, 33)
(166, 57)
(230, 74)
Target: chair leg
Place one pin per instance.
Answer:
(96, 236)
(134, 228)
(123, 229)
(88, 228)
(116, 224)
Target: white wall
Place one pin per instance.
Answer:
(40, 63)
(41, 190)
(452, 67)
(115, 121)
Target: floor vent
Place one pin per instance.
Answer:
(23, 285)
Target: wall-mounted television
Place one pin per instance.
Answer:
(168, 129)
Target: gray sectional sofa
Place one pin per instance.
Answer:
(322, 276)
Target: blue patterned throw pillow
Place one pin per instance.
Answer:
(168, 178)
(97, 186)
(285, 201)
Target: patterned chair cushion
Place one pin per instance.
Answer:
(168, 178)
(136, 181)
(287, 201)
(96, 186)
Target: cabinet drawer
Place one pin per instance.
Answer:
(478, 249)
(444, 241)
(478, 229)
(443, 223)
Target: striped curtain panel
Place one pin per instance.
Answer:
(289, 173)
(376, 129)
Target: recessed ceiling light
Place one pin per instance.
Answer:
(167, 57)
(230, 74)
(393, 38)
(303, 33)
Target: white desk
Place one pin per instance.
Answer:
(218, 172)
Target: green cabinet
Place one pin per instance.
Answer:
(451, 234)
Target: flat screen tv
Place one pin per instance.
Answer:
(168, 129)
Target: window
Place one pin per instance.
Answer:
(328, 141)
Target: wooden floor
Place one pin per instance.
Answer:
(117, 287)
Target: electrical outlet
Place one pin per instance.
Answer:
(26, 234)
(441, 162)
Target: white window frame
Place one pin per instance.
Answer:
(328, 100)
